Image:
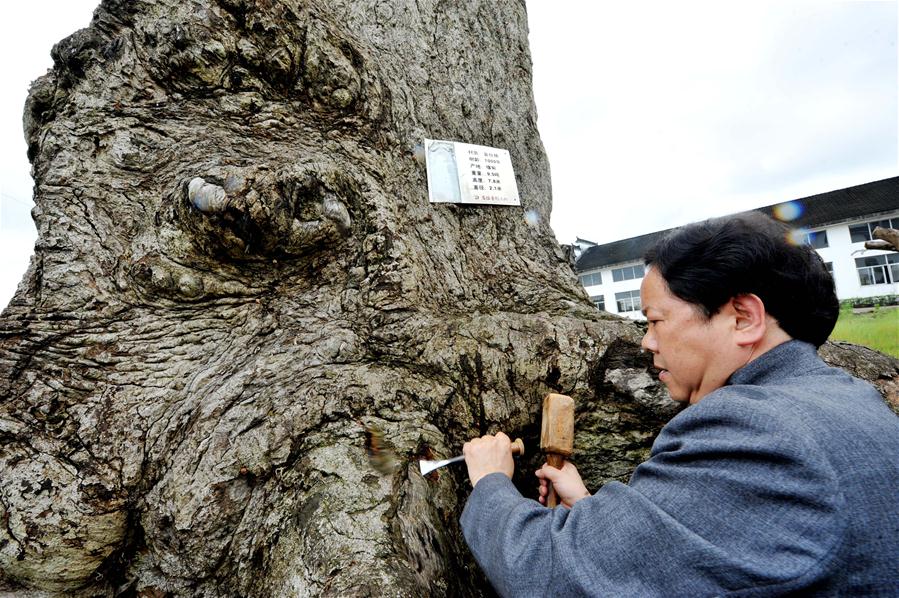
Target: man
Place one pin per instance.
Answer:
(780, 477)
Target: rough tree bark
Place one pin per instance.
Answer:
(884, 238)
(244, 322)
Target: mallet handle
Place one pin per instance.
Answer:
(552, 499)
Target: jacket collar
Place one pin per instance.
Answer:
(783, 361)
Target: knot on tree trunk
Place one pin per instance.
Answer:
(253, 213)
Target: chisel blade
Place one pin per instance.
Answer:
(429, 466)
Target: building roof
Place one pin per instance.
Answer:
(625, 250)
(852, 203)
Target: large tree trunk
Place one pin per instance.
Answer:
(233, 401)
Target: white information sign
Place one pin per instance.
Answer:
(466, 173)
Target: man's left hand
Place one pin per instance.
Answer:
(488, 454)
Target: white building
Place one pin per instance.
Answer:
(836, 224)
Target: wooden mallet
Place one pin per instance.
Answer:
(556, 435)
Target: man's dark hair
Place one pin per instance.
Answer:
(707, 263)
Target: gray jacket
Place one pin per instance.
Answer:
(784, 481)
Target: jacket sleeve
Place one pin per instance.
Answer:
(735, 498)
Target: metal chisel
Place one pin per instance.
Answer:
(429, 466)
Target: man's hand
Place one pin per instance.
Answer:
(566, 481)
(488, 454)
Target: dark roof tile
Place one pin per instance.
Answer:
(861, 201)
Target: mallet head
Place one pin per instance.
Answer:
(557, 426)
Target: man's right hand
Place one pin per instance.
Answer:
(566, 482)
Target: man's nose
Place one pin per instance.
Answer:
(649, 343)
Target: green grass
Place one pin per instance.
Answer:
(878, 329)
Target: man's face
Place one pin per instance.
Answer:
(692, 351)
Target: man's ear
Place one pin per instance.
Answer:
(750, 319)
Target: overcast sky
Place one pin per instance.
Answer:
(653, 113)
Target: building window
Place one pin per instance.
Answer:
(627, 273)
(628, 301)
(829, 266)
(589, 280)
(878, 269)
(817, 240)
(859, 233)
(599, 301)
